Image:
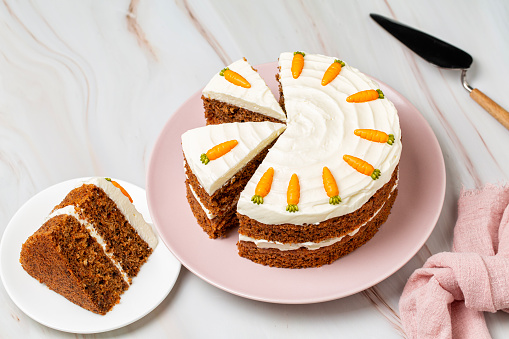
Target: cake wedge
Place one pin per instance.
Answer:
(238, 93)
(91, 246)
(219, 160)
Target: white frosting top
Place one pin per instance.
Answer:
(320, 130)
(252, 138)
(258, 98)
(128, 210)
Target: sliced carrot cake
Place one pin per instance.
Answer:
(237, 93)
(329, 181)
(219, 160)
(91, 246)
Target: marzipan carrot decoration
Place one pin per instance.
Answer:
(362, 166)
(367, 95)
(116, 184)
(329, 183)
(263, 187)
(218, 151)
(234, 77)
(332, 72)
(297, 64)
(375, 135)
(293, 194)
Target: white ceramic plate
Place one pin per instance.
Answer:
(153, 283)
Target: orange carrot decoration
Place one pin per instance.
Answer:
(297, 64)
(332, 72)
(368, 95)
(329, 183)
(234, 77)
(116, 184)
(362, 166)
(263, 187)
(218, 151)
(375, 135)
(293, 194)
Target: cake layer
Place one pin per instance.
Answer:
(258, 98)
(218, 112)
(72, 211)
(190, 191)
(120, 236)
(304, 258)
(320, 131)
(323, 231)
(125, 206)
(217, 226)
(63, 255)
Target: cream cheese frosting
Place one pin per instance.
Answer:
(320, 130)
(252, 138)
(258, 98)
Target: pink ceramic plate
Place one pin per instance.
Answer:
(413, 217)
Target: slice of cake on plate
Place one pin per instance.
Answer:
(91, 246)
(219, 160)
(237, 94)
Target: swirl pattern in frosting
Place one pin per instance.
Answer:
(320, 130)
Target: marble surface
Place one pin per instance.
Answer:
(86, 86)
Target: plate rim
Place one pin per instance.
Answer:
(174, 267)
(441, 166)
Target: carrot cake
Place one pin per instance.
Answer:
(329, 182)
(90, 246)
(219, 160)
(237, 94)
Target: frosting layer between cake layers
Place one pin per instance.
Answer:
(258, 98)
(252, 138)
(310, 245)
(320, 130)
(71, 211)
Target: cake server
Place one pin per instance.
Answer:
(445, 55)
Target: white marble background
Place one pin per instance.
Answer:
(85, 87)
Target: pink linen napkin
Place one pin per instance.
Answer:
(446, 298)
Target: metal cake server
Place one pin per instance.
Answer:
(445, 55)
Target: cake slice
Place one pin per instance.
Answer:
(238, 94)
(219, 160)
(91, 246)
